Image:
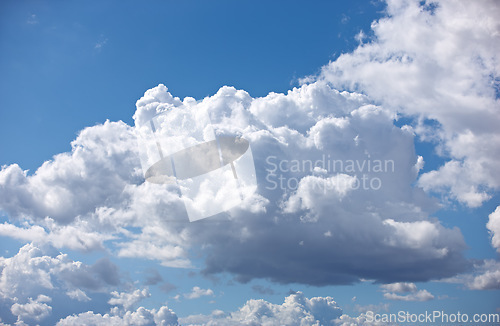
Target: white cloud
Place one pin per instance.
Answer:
(409, 290)
(198, 292)
(295, 310)
(361, 205)
(127, 300)
(78, 295)
(32, 274)
(139, 317)
(399, 287)
(79, 236)
(101, 43)
(33, 310)
(487, 276)
(421, 295)
(102, 162)
(493, 226)
(32, 19)
(442, 67)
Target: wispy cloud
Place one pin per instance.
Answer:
(32, 19)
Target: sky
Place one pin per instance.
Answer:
(370, 186)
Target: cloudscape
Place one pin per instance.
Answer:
(173, 165)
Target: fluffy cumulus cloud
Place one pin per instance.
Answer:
(124, 314)
(29, 279)
(34, 310)
(486, 277)
(295, 310)
(437, 62)
(404, 291)
(334, 181)
(493, 226)
(141, 316)
(198, 292)
(126, 299)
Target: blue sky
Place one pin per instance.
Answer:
(88, 63)
(400, 80)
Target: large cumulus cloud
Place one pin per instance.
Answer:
(353, 215)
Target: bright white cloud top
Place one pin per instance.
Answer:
(340, 198)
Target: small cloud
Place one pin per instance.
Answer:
(101, 43)
(345, 19)
(400, 287)
(127, 300)
(422, 295)
(78, 295)
(198, 292)
(391, 291)
(360, 37)
(32, 20)
(32, 310)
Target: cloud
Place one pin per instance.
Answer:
(101, 43)
(32, 19)
(78, 295)
(410, 292)
(198, 292)
(33, 274)
(400, 287)
(439, 65)
(77, 237)
(326, 162)
(127, 300)
(33, 310)
(421, 295)
(487, 276)
(493, 226)
(75, 184)
(142, 316)
(294, 310)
